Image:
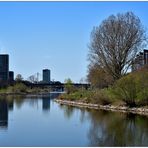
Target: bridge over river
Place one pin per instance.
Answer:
(57, 86)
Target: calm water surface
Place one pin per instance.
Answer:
(39, 121)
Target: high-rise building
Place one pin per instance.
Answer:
(140, 60)
(11, 76)
(46, 75)
(4, 67)
(145, 57)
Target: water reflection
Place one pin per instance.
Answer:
(46, 103)
(10, 105)
(117, 129)
(54, 95)
(84, 115)
(68, 111)
(3, 114)
(46, 100)
(19, 100)
(94, 127)
(6, 105)
(110, 128)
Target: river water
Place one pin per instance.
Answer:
(39, 121)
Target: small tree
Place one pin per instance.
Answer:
(69, 86)
(19, 78)
(33, 79)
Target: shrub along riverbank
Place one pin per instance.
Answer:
(129, 91)
(20, 88)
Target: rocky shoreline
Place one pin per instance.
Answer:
(124, 109)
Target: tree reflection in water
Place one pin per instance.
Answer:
(19, 100)
(84, 115)
(112, 128)
(101, 128)
(117, 129)
(68, 110)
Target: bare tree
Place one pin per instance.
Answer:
(98, 77)
(115, 42)
(83, 80)
(34, 78)
(19, 78)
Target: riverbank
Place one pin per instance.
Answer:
(22, 89)
(23, 93)
(124, 109)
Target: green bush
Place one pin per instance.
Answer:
(133, 88)
(3, 90)
(17, 88)
(80, 94)
(69, 87)
(142, 88)
(96, 96)
(101, 97)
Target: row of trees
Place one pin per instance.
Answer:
(113, 46)
(33, 78)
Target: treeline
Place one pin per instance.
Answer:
(22, 87)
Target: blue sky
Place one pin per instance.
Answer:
(55, 35)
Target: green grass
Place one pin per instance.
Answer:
(21, 88)
(96, 96)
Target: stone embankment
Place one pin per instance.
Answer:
(135, 110)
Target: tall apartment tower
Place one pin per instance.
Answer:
(11, 76)
(46, 75)
(4, 67)
(140, 60)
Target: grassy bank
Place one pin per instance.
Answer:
(131, 90)
(95, 96)
(20, 88)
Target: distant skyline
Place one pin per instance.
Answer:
(55, 35)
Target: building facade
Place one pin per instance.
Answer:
(140, 61)
(4, 67)
(46, 75)
(11, 76)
